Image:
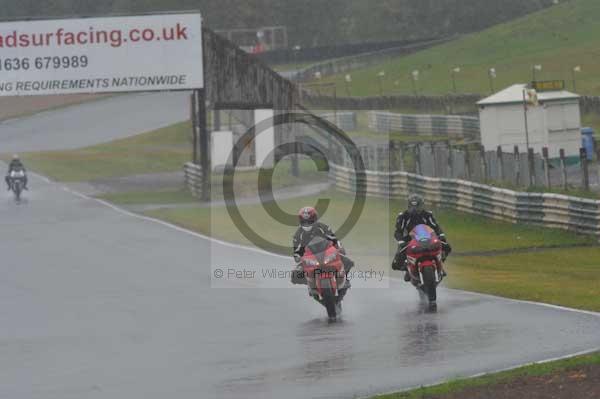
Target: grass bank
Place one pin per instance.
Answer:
(162, 150)
(558, 38)
(498, 382)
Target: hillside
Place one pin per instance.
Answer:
(558, 38)
(310, 22)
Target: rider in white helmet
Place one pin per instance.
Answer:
(15, 165)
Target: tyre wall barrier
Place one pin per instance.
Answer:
(548, 210)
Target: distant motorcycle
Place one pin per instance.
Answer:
(325, 275)
(425, 265)
(16, 179)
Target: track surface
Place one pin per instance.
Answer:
(96, 303)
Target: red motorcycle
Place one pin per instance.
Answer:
(425, 263)
(325, 275)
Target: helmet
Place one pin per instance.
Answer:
(415, 203)
(307, 217)
(15, 157)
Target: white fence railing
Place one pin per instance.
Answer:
(425, 125)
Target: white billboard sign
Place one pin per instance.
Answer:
(96, 55)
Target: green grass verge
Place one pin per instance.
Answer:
(565, 277)
(162, 150)
(558, 38)
(457, 386)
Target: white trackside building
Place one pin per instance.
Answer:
(555, 123)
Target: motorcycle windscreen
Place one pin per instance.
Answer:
(318, 246)
(422, 233)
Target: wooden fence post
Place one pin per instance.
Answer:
(450, 160)
(402, 161)
(380, 159)
(434, 168)
(517, 166)
(531, 167)
(500, 163)
(467, 163)
(418, 159)
(563, 168)
(584, 167)
(546, 166)
(484, 165)
(392, 159)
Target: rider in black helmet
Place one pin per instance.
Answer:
(406, 221)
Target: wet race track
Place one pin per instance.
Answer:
(97, 303)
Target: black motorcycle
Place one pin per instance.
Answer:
(17, 183)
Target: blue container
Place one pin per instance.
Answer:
(587, 142)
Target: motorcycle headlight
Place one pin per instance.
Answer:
(330, 258)
(311, 262)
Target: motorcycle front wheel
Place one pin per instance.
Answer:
(17, 191)
(329, 299)
(429, 286)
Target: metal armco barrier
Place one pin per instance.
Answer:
(425, 125)
(193, 178)
(548, 210)
(344, 120)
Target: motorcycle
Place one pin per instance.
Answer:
(17, 183)
(425, 261)
(325, 275)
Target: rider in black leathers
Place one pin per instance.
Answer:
(15, 165)
(406, 222)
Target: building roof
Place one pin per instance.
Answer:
(514, 95)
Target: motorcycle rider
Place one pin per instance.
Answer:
(406, 221)
(15, 165)
(310, 228)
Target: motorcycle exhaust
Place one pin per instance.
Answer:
(437, 276)
(421, 278)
